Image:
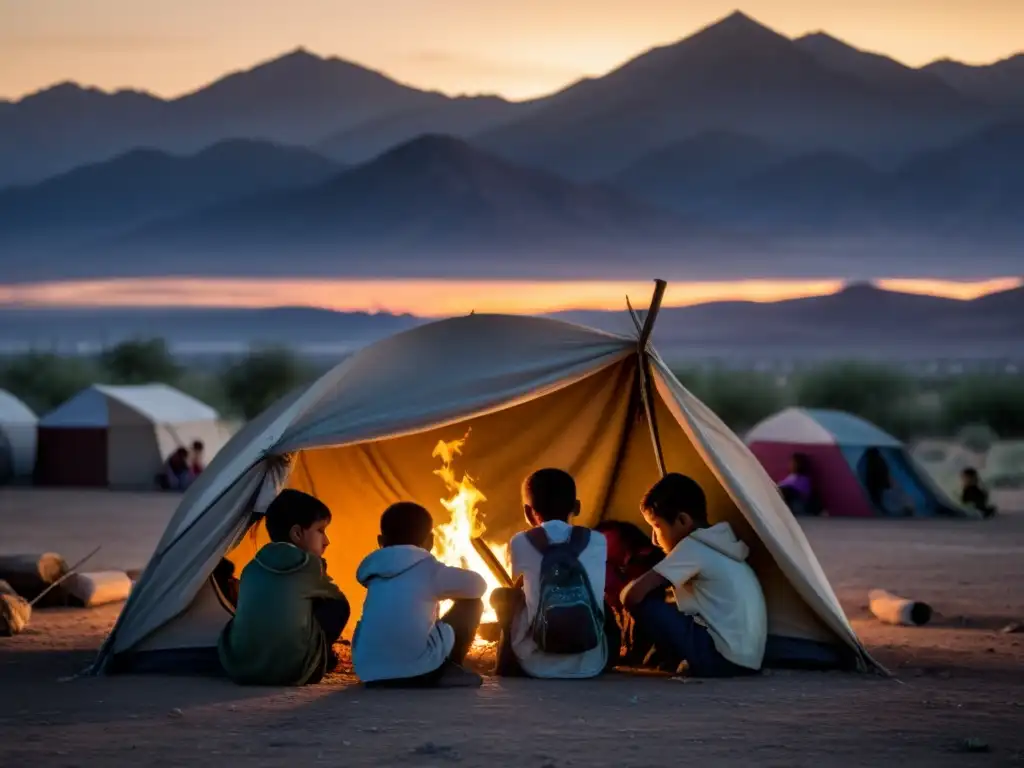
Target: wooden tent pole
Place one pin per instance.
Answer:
(646, 387)
(652, 313)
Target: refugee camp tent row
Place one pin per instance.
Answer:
(836, 446)
(17, 439)
(119, 437)
(530, 392)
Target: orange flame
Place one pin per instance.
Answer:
(453, 541)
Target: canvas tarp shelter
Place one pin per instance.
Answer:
(534, 392)
(835, 444)
(17, 438)
(121, 436)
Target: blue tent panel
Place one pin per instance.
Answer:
(851, 430)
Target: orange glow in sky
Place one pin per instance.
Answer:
(438, 298)
(518, 49)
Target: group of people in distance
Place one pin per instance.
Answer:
(182, 467)
(684, 600)
(798, 490)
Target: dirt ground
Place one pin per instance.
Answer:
(958, 699)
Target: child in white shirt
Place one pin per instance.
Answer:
(719, 624)
(592, 644)
(400, 641)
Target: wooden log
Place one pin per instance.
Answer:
(30, 574)
(98, 588)
(15, 614)
(893, 609)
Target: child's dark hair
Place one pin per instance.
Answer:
(551, 494)
(674, 495)
(292, 508)
(969, 473)
(197, 445)
(405, 524)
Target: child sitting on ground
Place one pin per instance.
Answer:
(289, 612)
(973, 493)
(631, 554)
(796, 489)
(555, 624)
(719, 625)
(400, 642)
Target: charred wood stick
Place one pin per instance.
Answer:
(492, 563)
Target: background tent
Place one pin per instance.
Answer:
(121, 436)
(531, 392)
(835, 444)
(17, 438)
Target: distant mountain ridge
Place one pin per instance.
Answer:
(735, 152)
(858, 317)
(858, 314)
(722, 206)
(736, 75)
(972, 188)
(1000, 83)
(147, 184)
(435, 198)
(298, 98)
(726, 77)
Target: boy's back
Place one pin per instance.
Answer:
(526, 562)
(400, 635)
(274, 638)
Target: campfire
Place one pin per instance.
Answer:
(453, 541)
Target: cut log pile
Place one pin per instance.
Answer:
(43, 580)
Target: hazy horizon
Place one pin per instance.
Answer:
(116, 44)
(440, 297)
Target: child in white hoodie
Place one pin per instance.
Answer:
(400, 642)
(719, 623)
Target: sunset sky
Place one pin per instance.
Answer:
(519, 49)
(438, 298)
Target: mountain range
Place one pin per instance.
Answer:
(859, 317)
(736, 151)
(143, 184)
(812, 92)
(299, 98)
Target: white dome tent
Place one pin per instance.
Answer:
(119, 437)
(534, 392)
(17, 438)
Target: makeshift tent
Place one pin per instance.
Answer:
(17, 438)
(532, 392)
(1004, 464)
(835, 444)
(121, 436)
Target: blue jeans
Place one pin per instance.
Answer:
(678, 637)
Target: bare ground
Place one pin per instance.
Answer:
(960, 680)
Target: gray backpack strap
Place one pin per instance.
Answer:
(538, 537)
(579, 538)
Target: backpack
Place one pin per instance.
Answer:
(569, 619)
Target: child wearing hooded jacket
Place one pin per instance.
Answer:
(400, 641)
(718, 625)
(289, 613)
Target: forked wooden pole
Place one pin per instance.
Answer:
(652, 312)
(644, 332)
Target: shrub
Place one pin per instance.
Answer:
(740, 398)
(139, 361)
(254, 382)
(44, 380)
(876, 393)
(996, 401)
